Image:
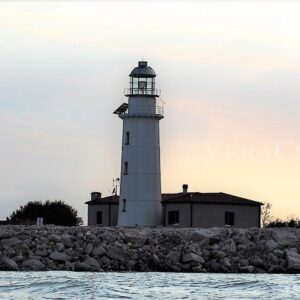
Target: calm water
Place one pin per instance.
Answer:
(70, 285)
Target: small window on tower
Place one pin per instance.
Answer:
(127, 137)
(124, 205)
(126, 168)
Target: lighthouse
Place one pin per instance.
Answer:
(140, 186)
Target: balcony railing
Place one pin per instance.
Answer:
(144, 110)
(139, 91)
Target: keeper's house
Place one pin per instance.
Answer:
(185, 209)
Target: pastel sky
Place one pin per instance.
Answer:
(230, 79)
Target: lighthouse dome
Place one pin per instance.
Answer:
(143, 70)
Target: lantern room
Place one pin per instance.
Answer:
(142, 81)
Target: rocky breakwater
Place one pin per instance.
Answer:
(149, 249)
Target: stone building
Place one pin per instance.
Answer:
(185, 209)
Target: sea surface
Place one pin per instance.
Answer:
(71, 285)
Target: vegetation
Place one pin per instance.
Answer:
(56, 212)
(266, 217)
(292, 223)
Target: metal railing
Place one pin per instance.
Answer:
(145, 110)
(139, 91)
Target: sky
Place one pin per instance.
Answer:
(229, 74)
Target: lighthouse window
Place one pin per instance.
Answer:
(126, 168)
(124, 205)
(142, 85)
(173, 217)
(127, 136)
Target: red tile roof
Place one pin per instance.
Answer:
(207, 198)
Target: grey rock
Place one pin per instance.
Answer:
(271, 244)
(42, 253)
(59, 256)
(8, 264)
(109, 237)
(272, 258)
(88, 248)
(67, 240)
(117, 253)
(33, 265)
(293, 260)
(99, 251)
(204, 233)
(173, 257)
(54, 238)
(192, 257)
(284, 237)
(59, 247)
(247, 269)
(90, 264)
(229, 247)
(10, 242)
(256, 262)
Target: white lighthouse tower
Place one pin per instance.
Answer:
(140, 192)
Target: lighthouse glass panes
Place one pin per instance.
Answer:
(142, 85)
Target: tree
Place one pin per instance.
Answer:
(291, 223)
(266, 217)
(56, 212)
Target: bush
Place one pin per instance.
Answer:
(56, 212)
(291, 223)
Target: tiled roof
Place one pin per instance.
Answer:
(105, 200)
(207, 198)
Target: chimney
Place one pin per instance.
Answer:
(184, 188)
(95, 196)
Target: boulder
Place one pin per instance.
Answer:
(134, 238)
(99, 251)
(284, 237)
(293, 260)
(256, 262)
(59, 247)
(173, 257)
(59, 256)
(54, 238)
(271, 244)
(88, 248)
(8, 264)
(67, 240)
(117, 253)
(33, 265)
(10, 242)
(272, 259)
(247, 269)
(192, 257)
(229, 246)
(204, 233)
(109, 237)
(90, 264)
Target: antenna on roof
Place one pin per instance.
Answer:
(115, 186)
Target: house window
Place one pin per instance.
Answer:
(126, 168)
(127, 136)
(173, 217)
(99, 217)
(124, 205)
(229, 218)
